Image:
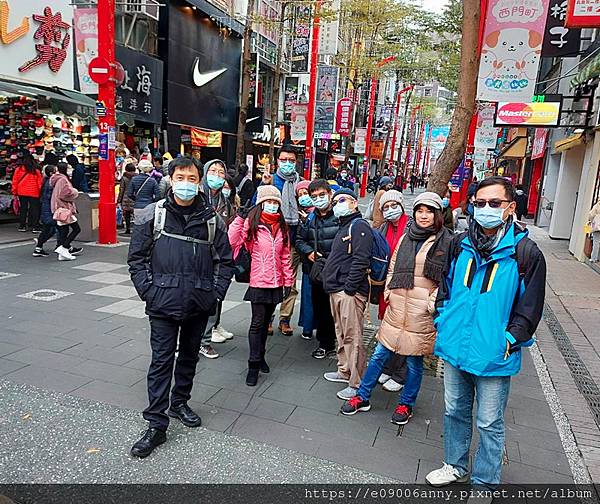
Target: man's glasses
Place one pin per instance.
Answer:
(494, 203)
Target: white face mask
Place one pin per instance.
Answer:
(270, 208)
(393, 214)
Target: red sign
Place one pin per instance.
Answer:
(99, 69)
(343, 122)
(539, 143)
(583, 14)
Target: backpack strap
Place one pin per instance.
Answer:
(523, 252)
(160, 217)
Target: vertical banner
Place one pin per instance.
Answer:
(559, 41)
(360, 140)
(328, 34)
(486, 134)
(86, 46)
(344, 116)
(512, 45)
(298, 128)
(539, 143)
(301, 42)
(327, 77)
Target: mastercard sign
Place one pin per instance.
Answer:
(528, 114)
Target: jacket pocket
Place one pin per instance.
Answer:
(166, 280)
(205, 297)
(163, 296)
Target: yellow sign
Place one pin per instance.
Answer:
(202, 138)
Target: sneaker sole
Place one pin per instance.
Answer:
(362, 408)
(209, 356)
(462, 479)
(307, 338)
(336, 380)
(343, 398)
(318, 357)
(395, 422)
(76, 253)
(38, 255)
(389, 390)
(218, 341)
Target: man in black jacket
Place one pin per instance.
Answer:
(314, 243)
(181, 265)
(345, 280)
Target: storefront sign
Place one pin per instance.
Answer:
(327, 136)
(85, 25)
(539, 143)
(343, 121)
(559, 40)
(35, 41)
(298, 129)
(486, 134)
(202, 138)
(301, 42)
(328, 33)
(528, 114)
(457, 177)
(583, 14)
(512, 44)
(377, 149)
(360, 140)
(327, 77)
(103, 147)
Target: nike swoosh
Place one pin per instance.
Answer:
(201, 79)
(253, 119)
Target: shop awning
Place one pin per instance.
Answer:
(568, 143)
(515, 150)
(590, 71)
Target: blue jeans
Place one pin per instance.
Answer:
(306, 319)
(460, 388)
(414, 375)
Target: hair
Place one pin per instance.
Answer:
(438, 216)
(254, 220)
(49, 170)
(51, 158)
(184, 163)
(28, 162)
(72, 160)
(331, 173)
(130, 167)
(231, 184)
(509, 188)
(242, 169)
(317, 184)
(288, 149)
(62, 168)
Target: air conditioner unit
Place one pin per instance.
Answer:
(148, 8)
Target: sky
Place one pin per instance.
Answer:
(434, 5)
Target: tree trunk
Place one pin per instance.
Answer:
(454, 150)
(246, 77)
(276, 84)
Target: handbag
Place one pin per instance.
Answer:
(241, 264)
(16, 205)
(316, 272)
(64, 215)
(587, 246)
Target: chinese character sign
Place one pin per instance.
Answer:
(583, 14)
(86, 46)
(360, 140)
(486, 134)
(539, 143)
(559, 41)
(344, 116)
(301, 41)
(327, 77)
(512, 46)
(36, 41)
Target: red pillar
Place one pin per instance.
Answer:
(367, 162)
(312, 95)
(107, 208)
(398, 100)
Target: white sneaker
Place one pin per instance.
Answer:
(383, 378)
(217, 337)
(445, 475)
(392, 386)
(226, 334)
(64, 254)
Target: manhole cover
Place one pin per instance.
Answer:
(44, 294)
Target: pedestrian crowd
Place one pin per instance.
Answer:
(473, 299)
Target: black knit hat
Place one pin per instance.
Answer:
(347, 192)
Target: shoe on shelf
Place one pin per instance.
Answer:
(383, 378)
(355, 405)
(40, 252)
(335, 376)
(150, 440)
(186, 415)
(307, 336)
(402, 414)
(270, 330)
(347, 394)
(208, 352)
(392, 386)
(226, 334)
(217, 337)
(319, 353)
(22, 229)
(446, 475)
(285, 328)
(75, 251)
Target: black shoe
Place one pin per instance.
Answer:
(40, 252)
(185, 415)
(22, 229)
(252, 377)
(264, 367)
(75, 251)
(150, 440)
(319, 353)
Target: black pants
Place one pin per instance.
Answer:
(29, 214)
(127, 215)
(396, 368)
(323, 317)
(257, 333)
(163, 340)
(48, 231)
(65, 238)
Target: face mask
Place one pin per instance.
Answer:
(445, 202)
(185, 191)
(305, 200)
(344, 175)
(214, 181)
(322, 202)
(489, 218)
(341, 210)
(270, 208)
(392, 214)
(119, 159)
(287, 167)
(226, 192)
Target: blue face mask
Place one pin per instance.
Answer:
(287, 167)
(322, 202)
(270, 208)
(184, 190)
(445, 202)
(488, 217)
(305, 201)
(342, 209)
(119, 159)
(214, 181)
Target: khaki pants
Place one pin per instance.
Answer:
(348, 315)
(286, 310)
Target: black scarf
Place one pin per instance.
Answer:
(486, 244)
(403, 276)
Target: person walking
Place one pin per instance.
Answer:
(487, 309)
(181, 265)
(345, 279)
(385, 184)
(343, 180)
(46, 217)
(521, 199)
(415, 271)
(265, 235)
(314, 244)
(27, 183)
(143, 189)
(127, 204)
(64, 212)
(594, 221)
(78, 177)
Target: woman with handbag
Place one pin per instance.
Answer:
(64, 212)
(264, 233)
(27, 187)
(594, 220)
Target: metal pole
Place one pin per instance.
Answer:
(312, 95)
(107, 208)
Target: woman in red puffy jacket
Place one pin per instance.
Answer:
(27, 186)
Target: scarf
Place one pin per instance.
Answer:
(289, 205)
(403, 276)
(271, 221)
(486, 244)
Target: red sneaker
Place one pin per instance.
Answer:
(354, 405)
(402, 414)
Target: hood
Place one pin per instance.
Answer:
(54, 179)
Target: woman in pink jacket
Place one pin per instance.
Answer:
(64, 212)
(265, 235)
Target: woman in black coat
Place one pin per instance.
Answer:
(47, 219)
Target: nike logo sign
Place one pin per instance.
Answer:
(201, 79)
(253, 119)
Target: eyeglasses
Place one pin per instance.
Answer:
(216, 171)
(342, 200)
(494, 203)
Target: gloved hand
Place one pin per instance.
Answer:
(286, 292)
(243, 211)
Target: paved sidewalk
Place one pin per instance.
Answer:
(92, 344)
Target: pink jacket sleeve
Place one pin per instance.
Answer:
(238, 230)
(67, 192)
(288, 274)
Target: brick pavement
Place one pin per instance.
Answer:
(93, 344)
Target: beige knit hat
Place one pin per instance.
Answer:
(267, 192)
(391, 195)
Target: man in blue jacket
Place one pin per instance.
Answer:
(488, 308)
